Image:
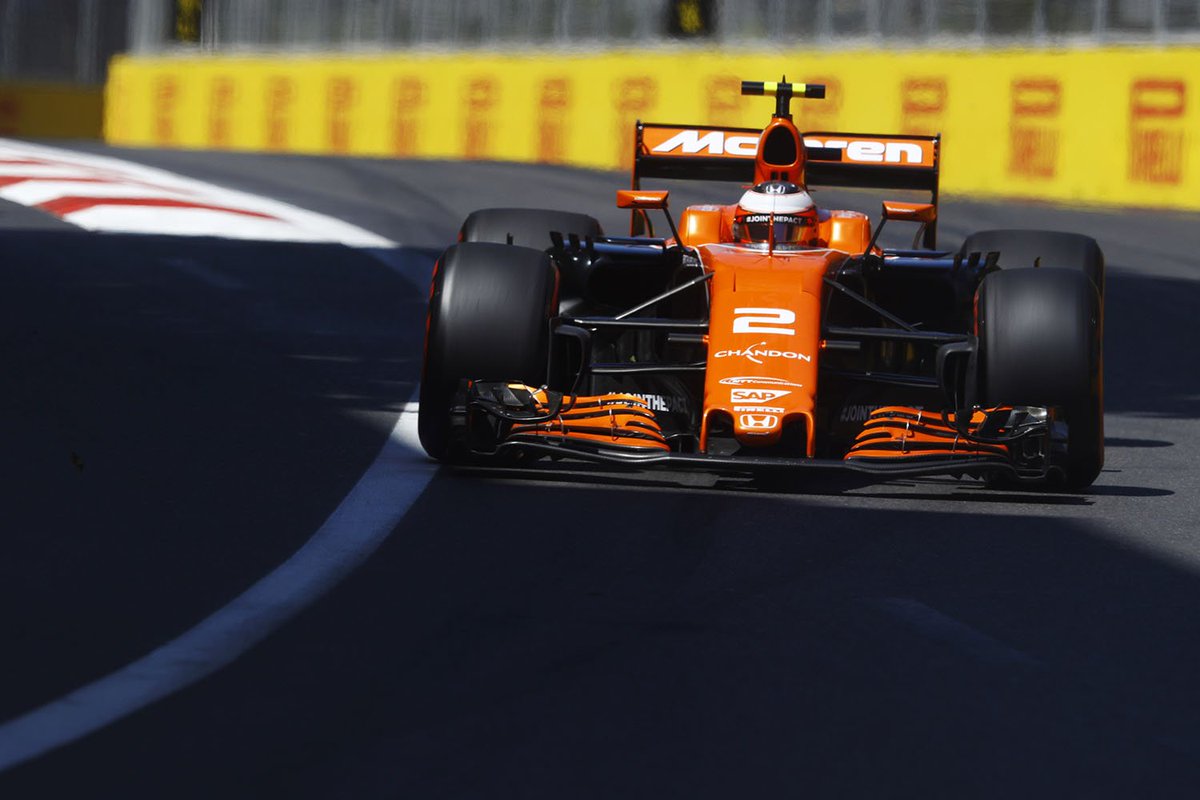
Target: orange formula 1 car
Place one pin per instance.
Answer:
(768, 334)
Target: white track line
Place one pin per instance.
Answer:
(353, 532)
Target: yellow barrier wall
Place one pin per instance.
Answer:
(1114, 126)
(50, 110)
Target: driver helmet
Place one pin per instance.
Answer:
(783, 204)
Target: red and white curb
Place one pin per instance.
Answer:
(100, 193)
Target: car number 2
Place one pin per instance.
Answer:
(764, 320)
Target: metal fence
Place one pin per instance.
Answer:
(947, 22)
(289, 24)
(72, 40)
(365, 23)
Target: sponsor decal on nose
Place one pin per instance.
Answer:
(756, 395)
(750, 380)
(759, 351)
(758, 422)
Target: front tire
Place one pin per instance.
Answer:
(1041, 344)
(489, 314)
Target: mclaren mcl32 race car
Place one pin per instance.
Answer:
(768, 334)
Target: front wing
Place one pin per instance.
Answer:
(519, 420)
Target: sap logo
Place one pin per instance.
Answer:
(757, 351)
(758, 422)
(746, 380)
(873, 151)
(755, 395)
(714, 143)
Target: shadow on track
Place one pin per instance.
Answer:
(1149, 350)
(576, 642)
(179, 415)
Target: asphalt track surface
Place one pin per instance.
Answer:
(180, 415)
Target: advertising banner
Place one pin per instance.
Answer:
(1107, 126)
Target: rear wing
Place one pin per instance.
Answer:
(865, 160)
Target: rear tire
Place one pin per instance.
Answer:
(528, 227)
(1041, 344)
(489, 313)
(1027, 248)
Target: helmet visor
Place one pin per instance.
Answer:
(789, 228)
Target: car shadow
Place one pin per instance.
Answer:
(712, 644)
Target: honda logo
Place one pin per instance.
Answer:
(758, 422)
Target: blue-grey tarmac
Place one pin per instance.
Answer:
(180, 415)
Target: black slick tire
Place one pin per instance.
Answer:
(489, 313)
(1041, 344)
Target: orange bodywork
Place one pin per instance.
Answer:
(909, 212)
(641, 198)
(765, 312)
(765, 301)
(763, 341)
(847, 231)
(781, 154)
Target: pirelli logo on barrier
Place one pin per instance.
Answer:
(923, 104)
(724, 102)
(408, 100)
(736, 143)
(553, 129)
(482, 95)
(1157, 130)
(824, 115)
(166, 96)
(633, 97)
(277, 108)
(341, 94)
(1035, 126)
(222, 95)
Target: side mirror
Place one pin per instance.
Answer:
(924, 213)
(641, 198)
